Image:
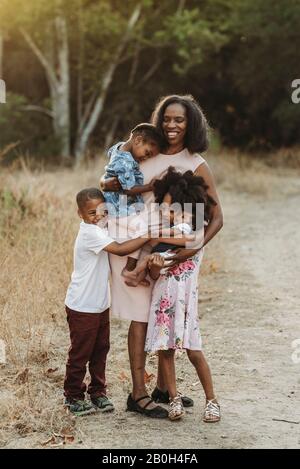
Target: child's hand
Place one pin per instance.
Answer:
(156, 261)
(110, 184)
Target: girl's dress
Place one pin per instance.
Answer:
(173, 320)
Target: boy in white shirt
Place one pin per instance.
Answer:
(87, 305)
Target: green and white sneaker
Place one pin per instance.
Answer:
(79, 407)
(103, 404)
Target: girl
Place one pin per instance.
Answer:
(173, 320)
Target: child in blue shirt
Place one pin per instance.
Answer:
(144, 142)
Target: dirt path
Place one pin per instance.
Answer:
(249, 309)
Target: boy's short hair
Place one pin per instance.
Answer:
(149, 133)
(87, 194)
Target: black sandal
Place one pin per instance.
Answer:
(157, 412)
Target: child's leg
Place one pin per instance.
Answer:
(140, 268)
(167, 362)
(198, 359)
(83, 333)
(97, 362)
(138, 275)
(130, 265)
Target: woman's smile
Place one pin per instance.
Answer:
(175, 123)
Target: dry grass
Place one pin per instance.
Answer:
(249, 174)
(38, 224)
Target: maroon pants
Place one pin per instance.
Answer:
(89, 334)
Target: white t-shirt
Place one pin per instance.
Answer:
(88, 291)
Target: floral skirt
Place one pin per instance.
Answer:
(173, 321)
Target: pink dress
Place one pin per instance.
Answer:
(133, 303)
(173, 319)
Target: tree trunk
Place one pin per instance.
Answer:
(91, 122)
(58, 78)
(62, 104)
(1, 55)
(2, 83)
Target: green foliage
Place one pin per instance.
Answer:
(192, 36)
(29, 130)
(237, 57)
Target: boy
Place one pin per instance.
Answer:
(87, 302)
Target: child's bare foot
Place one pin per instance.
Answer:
(129, 267)
(131, 275)
(137, 279)
(132, 283)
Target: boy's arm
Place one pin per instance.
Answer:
(123, 249)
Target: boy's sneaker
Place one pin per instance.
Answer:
(79, 407)
(102, 403)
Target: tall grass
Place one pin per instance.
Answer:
(38, 222)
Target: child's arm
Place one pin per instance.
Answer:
(110, 184)
(138, 189)
(123, 249)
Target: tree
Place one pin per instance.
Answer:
(51, 48)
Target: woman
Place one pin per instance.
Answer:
(182, 123)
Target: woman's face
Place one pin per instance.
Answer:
(175, 124)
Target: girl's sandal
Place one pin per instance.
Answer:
(212, 412)
(176, 408)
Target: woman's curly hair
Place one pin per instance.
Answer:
(185, 188)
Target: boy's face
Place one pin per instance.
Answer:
(93, 211)
(143, 150)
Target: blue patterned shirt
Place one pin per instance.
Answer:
(123, 166)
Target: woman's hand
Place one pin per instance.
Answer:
(110, 184)
(181, 255)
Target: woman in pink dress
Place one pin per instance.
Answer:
(181, 121)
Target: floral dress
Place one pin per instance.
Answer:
(173, 321)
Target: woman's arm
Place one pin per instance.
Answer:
(216, 220)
